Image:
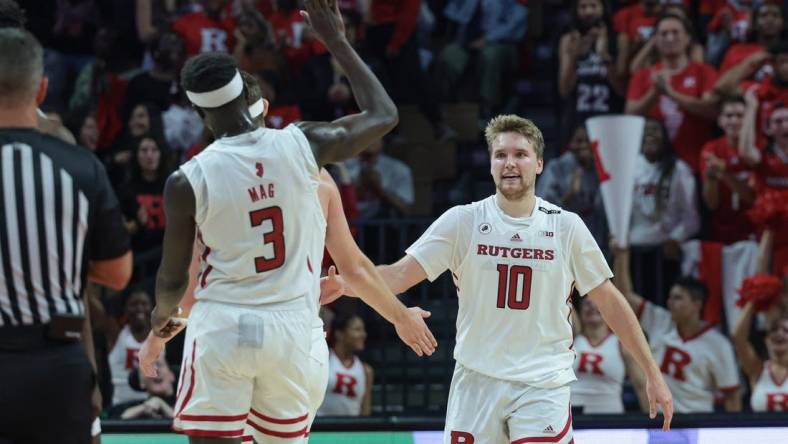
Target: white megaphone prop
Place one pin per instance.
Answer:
(616, 141)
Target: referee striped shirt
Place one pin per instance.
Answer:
(57, 212)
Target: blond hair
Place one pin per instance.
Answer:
(510, 123)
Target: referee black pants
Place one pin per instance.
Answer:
(45, 395)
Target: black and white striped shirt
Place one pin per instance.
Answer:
(57, 212)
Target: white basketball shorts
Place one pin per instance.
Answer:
(485, 410)
(245, 367)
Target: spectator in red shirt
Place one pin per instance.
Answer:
(750, 60)
(727, 180)
(205, 29)
(676, 90)
(771, 164)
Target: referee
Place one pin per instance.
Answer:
(60, 224)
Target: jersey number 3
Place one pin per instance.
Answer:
(275, 236)
(509, 281)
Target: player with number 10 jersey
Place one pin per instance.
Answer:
(515, 260)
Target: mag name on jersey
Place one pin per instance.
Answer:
(516, 253)
(261, 191)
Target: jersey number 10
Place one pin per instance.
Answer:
(508, 283)
(275, 236)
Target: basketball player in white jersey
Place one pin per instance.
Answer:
(515, 259)
(768, 379)
(696, 359)
(349, 390)
(252, 196)
(359, 272)
(601, 366)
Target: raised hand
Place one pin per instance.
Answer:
(324, 18)
(413, 331)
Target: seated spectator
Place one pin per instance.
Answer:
(728, 182)
(207, 28)
(750, 60)
(664, 212)
(767, 378)
(587, 78)
(676, 91)
(601, 365)
(384, 185)
(143, 119)
(160, 395)
(142, 201)
(349, 390)
(492, 33)
(125, 346)
(729, 25)
(696, 359)
(570, 181)
(160, 85)
(83, 125)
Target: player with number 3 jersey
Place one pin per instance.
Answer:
(251, 200)
(515, 259)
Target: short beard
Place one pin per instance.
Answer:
(513, 195)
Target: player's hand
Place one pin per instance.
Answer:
(332, 286)
(413, 331)
(659, 394)
(149, 354)
(324, 18)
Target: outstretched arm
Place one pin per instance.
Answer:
(360, 273)
(619, 316)
(344, 138)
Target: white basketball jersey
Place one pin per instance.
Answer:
(346, 388)
(122, 359)
(514, 279)
(600, 371)
(769, 395)
(259, 220)
(694, 367)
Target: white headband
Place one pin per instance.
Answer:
(218, 97)
(256, 108)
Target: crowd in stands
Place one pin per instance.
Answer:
(711, 192)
